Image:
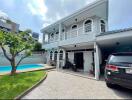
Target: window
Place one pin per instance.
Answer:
(55, 56)
(51, 53)
(74, 27)
(56, 35)
(102, 26)
(88, 26)
(51, 37)
(61, 55)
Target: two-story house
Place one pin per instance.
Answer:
(73, 38)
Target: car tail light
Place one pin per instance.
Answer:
(112, 67)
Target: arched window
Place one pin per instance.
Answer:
(55, 55)
(61, 55)
(74, 27)
(56, 35)
(51, 37)
(102, 26)
(51, 53)
(88, 26)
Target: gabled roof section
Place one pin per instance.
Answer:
(115, 31)
(88, 7)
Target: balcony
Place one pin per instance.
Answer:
(76, 36)
(70, 37)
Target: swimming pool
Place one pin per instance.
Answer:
(21, 67)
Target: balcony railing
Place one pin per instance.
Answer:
(68, 35)
(72, 33)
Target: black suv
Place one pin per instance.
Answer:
(118, 70)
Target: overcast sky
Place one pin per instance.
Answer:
(35, 14)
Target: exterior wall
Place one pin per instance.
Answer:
(71, 57)
(77, 35)
(50, 46)
(88, 60)
(10, 26)
(35, 59)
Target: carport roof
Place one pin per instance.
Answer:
(115, 31)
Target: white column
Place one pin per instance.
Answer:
(53, 54)
(48, 56)
(58, 60)
(44, 38)
(64, 57)
(60, 31)
(96, 61)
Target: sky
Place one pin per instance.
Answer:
(35, 14)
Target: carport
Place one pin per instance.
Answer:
(112, 42)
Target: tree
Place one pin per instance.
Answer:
(17, 43)
(37, 47)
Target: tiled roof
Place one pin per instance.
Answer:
(115, 31)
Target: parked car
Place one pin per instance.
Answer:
(118, 70)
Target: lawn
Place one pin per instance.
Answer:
(12, 86)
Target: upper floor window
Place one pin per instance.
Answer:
(56, 35)
(63, 30)
(102, 26)
(88, 26)
(74, 27)
(52, 35)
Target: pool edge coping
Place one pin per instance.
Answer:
(31, 70)
(31, 88)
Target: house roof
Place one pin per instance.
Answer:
(115, 31)
(89, 6)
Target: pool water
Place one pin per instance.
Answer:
(21, 67)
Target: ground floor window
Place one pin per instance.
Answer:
(55, 55)
(51, 53)
(61, 55)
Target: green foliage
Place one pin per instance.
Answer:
(17, 43)
(10, 87)
(37, 47)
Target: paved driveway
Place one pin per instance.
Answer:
(59, 85)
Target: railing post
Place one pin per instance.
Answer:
(77, 31)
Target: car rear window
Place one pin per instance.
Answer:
(120, 59)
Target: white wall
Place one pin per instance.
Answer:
(71, 56)
(88, 60)
(35, 59)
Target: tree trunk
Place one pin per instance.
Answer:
(13, 65)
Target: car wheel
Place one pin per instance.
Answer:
(109, 85)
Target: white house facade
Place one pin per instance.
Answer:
(73, 38)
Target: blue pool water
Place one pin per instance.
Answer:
(20, 68)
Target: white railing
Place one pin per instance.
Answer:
(74, 33)
(68, 35)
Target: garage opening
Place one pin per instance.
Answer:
(107, 51)
(78, 59)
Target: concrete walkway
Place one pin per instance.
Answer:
(59, 85)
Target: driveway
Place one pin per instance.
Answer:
(60, 85)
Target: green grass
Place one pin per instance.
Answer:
(12, 86)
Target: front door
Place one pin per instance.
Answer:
(78, 59)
